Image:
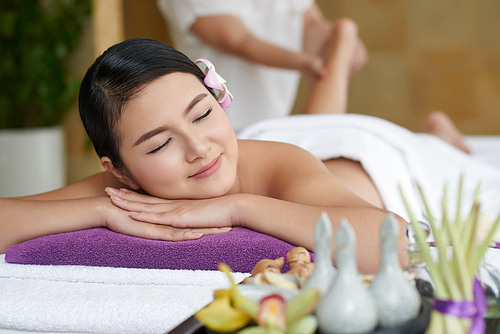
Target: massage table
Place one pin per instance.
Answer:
(112, 298)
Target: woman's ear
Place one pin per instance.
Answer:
(119, 173)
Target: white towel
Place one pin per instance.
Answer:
(102, 299)
(392, 156)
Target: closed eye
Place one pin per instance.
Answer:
(203, 116)
(160, 147)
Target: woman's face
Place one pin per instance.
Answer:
(176, 141)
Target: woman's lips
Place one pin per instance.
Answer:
(208, 169)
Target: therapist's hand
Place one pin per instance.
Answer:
(314, 67)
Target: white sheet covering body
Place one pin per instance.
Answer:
(120, 300)
(393, 156)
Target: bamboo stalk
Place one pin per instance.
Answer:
(434, 271)
(458, 215)
(469, 227)
(473, 251)
(452, 277)
(451, 288)
(487, 240)
(459, 258)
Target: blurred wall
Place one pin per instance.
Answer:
(424, 55)
(142, 19)
(82, 161)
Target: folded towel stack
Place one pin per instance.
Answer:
(86, 299)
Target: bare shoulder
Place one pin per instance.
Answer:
(271, 148)
(274, 154)
(290, 173)
(276, 165)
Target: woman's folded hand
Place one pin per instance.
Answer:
(174, 220)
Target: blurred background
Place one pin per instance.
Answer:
(424, 55)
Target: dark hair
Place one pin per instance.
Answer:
(115, 77)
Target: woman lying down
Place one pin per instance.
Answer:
(176, 171)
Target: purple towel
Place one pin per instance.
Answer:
(240, 248)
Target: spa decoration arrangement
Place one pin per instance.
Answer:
(459, 298)
(347, 306)
(231, 311)
(324, 271)
(271, 302)
(397, 300)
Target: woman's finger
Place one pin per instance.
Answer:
(183, 220)
(203, 231)
(157, 232)
(133, 196)
(167, 233)
(161, 218)
(212, 230)
(128, 205)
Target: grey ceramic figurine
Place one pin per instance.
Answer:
(322, 276)
(397, 299)
(347, 307)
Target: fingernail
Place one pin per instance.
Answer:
(110, 190)
(225, 228)
(119, 199)
(133, 214)
(197, 234)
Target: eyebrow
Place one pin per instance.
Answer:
(160, 129)
(194, 101)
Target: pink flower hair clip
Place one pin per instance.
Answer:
(215, 81)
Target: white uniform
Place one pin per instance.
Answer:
(259, 91)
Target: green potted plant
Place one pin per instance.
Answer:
(36, 89)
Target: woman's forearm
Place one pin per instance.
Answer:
(23, 220)
(294, 223)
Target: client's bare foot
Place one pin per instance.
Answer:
(343, 53)
(346, 44)
(347, 32)
(439, 124)
(341, 45)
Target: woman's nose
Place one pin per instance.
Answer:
(197, 147)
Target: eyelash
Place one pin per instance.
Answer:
(160, 147)
(168, 141)
(204, 115)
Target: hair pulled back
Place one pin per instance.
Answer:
(115, 77)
